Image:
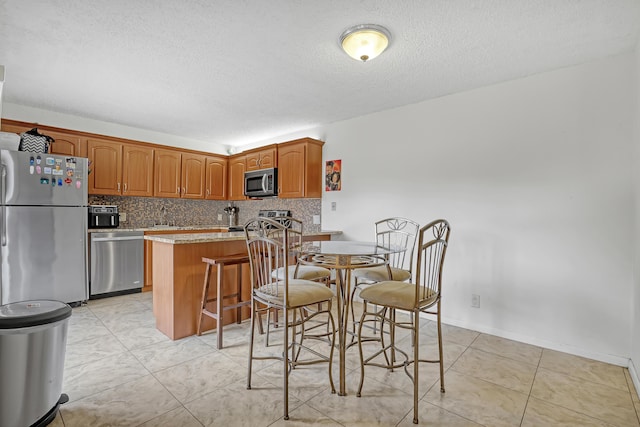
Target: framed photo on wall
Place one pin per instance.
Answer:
(333, 175)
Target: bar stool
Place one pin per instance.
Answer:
(220, 262)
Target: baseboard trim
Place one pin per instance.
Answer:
(634, 377)
(550, 345)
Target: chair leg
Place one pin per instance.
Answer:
(364, 313)
(416, 357)
(251, 336)
(439, 349)
(285, 357)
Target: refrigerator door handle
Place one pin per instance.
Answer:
(3, 195)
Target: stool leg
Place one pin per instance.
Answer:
(219, 309)
(239, 292)
(203, 305)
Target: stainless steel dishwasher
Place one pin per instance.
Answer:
(117, 263)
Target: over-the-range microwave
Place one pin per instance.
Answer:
(261, 183)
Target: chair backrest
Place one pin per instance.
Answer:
(293, 228)
(267, 243)
(432, 247)
(400, 232)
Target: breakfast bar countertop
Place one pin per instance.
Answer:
(173, 229)
(186, 238)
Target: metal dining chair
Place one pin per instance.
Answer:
(300, 301)
(395, 231)
(422, 295)
(295, 270)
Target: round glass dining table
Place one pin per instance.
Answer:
(344, 256)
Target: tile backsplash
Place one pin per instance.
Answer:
(147, 211)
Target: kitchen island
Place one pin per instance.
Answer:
(178, 275)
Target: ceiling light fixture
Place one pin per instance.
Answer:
(365, 42)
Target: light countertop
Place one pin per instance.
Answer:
(185, 238)
(161, 228)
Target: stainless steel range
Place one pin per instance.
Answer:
(274, 214)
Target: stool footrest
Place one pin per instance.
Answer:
(227, 259)
(223, 298)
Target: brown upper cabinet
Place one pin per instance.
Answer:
(119, 169)
(300, 169)
(167, 173)
(137, 170)
(216, 178)
(106, 167)
(179, 174)
(127, 168)
(64, 145)
(237, 168)
(193, 176)
(262, 158)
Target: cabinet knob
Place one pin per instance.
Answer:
(125, 187)
(118, 186)
(178, 190)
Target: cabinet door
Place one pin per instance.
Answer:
(236, 178)
(300, 171)
(193, 176)
(261, 159)
(167, 173)
(66, 145)
(216, 178)
(137, 170)
(291, 171)
(106, 167)
(268, 158)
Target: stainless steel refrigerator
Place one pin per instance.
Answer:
(43, 220)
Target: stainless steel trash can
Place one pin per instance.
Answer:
(33, 339)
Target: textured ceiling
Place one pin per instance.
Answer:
(235, 72)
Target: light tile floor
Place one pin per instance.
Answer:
(120, 371)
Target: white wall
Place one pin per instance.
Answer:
(535, 176)
(67, 121)
(634, 365)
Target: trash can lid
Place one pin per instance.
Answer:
(24, 314)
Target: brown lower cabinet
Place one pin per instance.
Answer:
(178, 275)
(148, 251)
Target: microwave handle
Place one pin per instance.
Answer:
(264, 182)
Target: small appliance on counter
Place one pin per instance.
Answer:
(101, 216)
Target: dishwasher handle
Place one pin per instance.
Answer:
(115, 239)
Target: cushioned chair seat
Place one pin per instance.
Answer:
(306, 272)
(400, 295)
(301, 292)
(380, 273)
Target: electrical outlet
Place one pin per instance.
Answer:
(475, 300)
(123, 217)
(219, 217)
(316, 219)
(333, 206)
